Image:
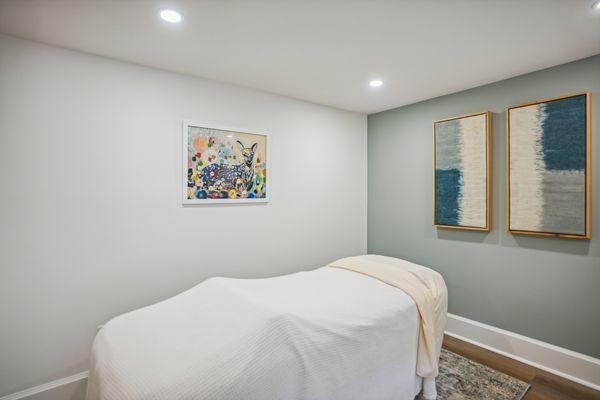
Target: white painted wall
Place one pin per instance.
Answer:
(91, 219)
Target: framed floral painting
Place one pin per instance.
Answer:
(224, 165)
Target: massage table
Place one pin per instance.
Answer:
(326, 334)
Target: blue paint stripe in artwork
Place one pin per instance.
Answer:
(563, 134)
(447, 191)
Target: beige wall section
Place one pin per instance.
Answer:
(92, 221)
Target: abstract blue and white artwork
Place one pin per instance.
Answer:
(461, 168)
(547, 162)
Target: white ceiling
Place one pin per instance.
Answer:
(324, 51)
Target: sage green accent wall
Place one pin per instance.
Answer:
(544, 288)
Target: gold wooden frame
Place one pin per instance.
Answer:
(488, 172)
(588, 169)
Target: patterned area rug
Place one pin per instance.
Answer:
(462, 379)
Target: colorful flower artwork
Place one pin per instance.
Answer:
(224, 166)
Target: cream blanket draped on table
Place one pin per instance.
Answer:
(427, 289)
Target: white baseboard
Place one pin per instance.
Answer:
(45, 387)
(568, 364)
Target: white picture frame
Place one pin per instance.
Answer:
(238, 135)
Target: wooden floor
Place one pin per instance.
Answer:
(544, 386)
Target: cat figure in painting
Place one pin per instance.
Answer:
(220, 177)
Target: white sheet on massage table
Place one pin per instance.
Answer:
(326, 334)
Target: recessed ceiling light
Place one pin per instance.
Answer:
(597, 5)
(375, 83)
(171, 16)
